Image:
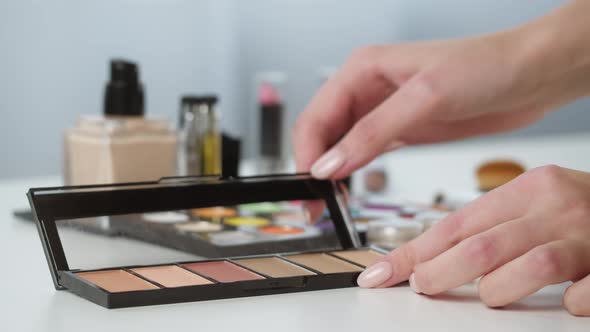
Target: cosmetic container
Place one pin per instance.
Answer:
(122, 145)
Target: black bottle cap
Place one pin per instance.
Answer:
(230, 160)
(204, 99)
(124, 92)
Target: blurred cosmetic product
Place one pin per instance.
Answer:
(375, 180)
(495, 173)
(122, 145)
(392, 232)
(230, 155)
(199, 143)
(271, 119)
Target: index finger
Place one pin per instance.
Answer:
(353, 91)
(499, 205)
(317, 128)
(321, 124)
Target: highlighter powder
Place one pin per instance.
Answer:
(246, 221)
(223, 271)
(361, 257)
(274, 267)
(199, 227)
(261, 208)
(324, 263)
(280, 230)
(214, 212)
(289, 216)
(171, 276)
(116, 281)
(165, 217)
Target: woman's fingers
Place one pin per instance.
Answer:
(352, 92)
(374, 132)
(577, 297)
(476, 256)
(313, 210)
(551, 263)
(323, 122)
(502, 204)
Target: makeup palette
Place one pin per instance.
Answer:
(219, 211)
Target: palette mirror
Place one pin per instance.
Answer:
(193, 234)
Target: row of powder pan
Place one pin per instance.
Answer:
(230, 270)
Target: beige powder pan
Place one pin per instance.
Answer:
(361, 257)
(274, 267)
(324, 263)
(222, 271)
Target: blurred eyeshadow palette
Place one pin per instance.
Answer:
(223, 231)
(194, 239)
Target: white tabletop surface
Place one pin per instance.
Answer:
(30, 303)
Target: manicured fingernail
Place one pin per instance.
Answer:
(413, 284)
(329, 163)
(375, 275)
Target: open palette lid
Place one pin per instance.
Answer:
(133, 213)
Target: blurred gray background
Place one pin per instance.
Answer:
(54, 56)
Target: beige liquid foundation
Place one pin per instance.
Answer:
(122, 145)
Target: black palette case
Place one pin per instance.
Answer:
(50, 205)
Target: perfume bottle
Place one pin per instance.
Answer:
(122, 145)
(199, 143)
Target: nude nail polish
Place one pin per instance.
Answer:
(413, 284)
(375, 275)
(328, 164)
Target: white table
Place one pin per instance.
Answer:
(28, 301)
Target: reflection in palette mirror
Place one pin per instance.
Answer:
(196, 234)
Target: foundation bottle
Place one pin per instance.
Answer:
(122, 145)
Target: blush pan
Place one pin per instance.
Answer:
(116, 281)
(223, 271)
(324, 263)
(171, 276)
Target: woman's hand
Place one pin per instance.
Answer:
(527, 234)
(392, 95)
(388, 96)
(520, 237)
